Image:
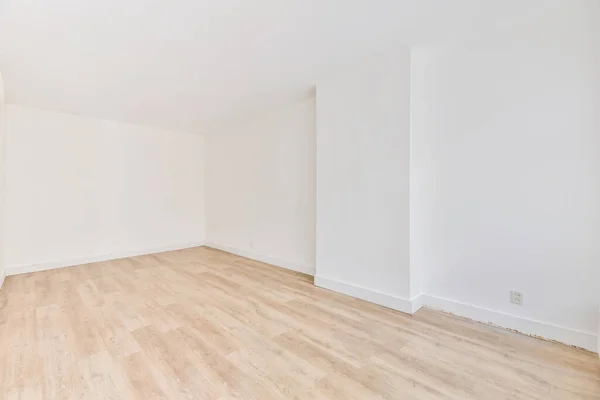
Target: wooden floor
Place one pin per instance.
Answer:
(203, 324)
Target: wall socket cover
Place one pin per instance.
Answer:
(516, 298)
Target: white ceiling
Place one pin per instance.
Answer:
(192, 64)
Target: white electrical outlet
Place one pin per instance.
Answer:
(516, 298)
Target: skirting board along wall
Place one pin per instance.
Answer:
(292, 265)
(25, 269)
(409, 306)
(586, 340)
(2, 276)
(531, 327)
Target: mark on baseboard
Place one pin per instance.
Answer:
(545, 339)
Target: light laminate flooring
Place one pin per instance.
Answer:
(204, 324)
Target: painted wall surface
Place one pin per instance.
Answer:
(260, 187)
(508, 151)
(80, 187)
(2, 178)
(363, 162)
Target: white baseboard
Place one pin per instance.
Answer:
(2, 276)
(384, 299)
(585, 340)
(545, 330)
(417, 303)
(292, 265)
(25, 269)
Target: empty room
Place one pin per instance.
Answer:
(300, 199)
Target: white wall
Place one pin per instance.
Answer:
(81, 188)
(507, 145)
(2, 177)
(363, 179)
(260, 188)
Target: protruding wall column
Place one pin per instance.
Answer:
(363, 181)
